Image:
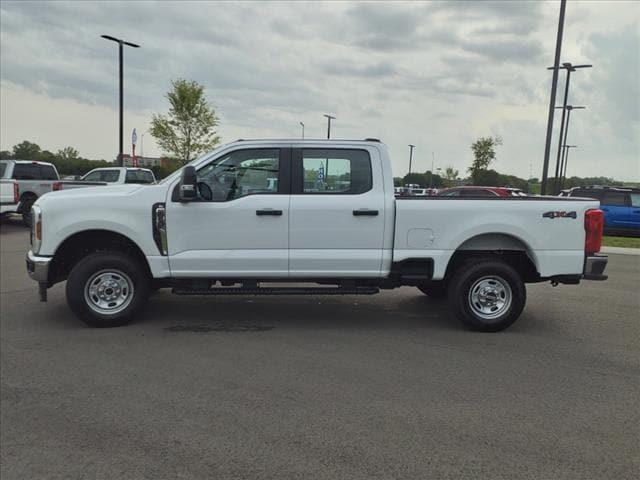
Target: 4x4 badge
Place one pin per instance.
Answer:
(559, 215)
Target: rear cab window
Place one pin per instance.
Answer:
(335, 171)
(3, 168)
(26, 171)
(139, 176)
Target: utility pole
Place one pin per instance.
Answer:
(570, 68)
(552, 100)
(302, 124)
(566, 160)
(329, 118)
(411, 147)
(121, 44)
(433, 163)
(569, 108)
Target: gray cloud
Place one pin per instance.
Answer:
(406, 71)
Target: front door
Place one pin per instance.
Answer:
(238, 226)
(337, 213)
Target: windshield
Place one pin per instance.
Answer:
(209, 154)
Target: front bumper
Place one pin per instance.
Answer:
(38, 267)
(594, 266)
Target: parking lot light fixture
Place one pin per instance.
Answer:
(302, 125)
(121, 44)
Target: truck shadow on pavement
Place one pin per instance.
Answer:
(256, 314)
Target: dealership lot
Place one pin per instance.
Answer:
(387, 386)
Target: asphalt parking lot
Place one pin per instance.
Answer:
(384, 387)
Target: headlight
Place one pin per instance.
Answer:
(36, 229)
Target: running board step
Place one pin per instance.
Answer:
(276, 291)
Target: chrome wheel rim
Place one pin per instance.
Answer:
(108, 292)
(490, 297)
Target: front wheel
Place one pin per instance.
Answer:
(27, 203)
(107, 289)
(487, 295)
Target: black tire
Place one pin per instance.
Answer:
(27, 203)
(123, 273)
(492, 281)
(434, 290)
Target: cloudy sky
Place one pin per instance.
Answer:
(435, 74)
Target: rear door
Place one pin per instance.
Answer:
(337, 213)
(614, 205)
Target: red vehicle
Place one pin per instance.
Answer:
(473, 191)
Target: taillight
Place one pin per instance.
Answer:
(57, 186)
(16, 192)
(593, 227)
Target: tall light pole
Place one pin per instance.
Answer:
(329, 118)
(411, 147)
(302, 125)
(563, 141)
(566, 159)
(121, 44)
(433, 162)
(552, 99)
(570, 68)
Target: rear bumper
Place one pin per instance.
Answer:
(594, 266)
(38, 267)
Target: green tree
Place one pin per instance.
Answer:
(450, 174)
(68, 153)
(189, 128)
(26, 151)
(484, 152)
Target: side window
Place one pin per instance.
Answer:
(635, 199)
(614, 199)
(48, 172)
(109, 176)
(25, 171)
(92, 177)
(240, 173)
(139, 176)
(336, 171)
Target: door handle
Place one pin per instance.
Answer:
(365, 212)
(269, 211)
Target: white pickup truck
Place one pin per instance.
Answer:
(252, 215)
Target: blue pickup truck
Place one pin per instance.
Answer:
(621, 207)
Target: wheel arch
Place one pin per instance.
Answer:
(504, 246)
(80, 244)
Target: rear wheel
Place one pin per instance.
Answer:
(487, 295)
(433, 290)
(107, 289)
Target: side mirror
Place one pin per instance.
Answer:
(188, 188)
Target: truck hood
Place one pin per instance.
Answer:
(79, 194)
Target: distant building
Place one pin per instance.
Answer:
(143, 161)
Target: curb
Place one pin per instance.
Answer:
(621, 250)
